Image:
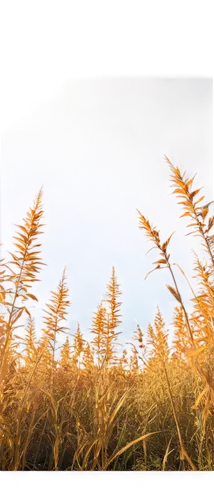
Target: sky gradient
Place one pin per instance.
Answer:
(98, 149)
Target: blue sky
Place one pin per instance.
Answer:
(98, 147)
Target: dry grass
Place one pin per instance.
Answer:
(97, 406)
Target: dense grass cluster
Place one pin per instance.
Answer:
(94, 406)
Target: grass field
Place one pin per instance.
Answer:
(93, 406)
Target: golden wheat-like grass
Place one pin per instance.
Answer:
(102, 404)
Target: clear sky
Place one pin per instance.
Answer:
(98, 147)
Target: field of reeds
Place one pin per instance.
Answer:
(94, 405)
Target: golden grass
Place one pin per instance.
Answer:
(98, 405)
